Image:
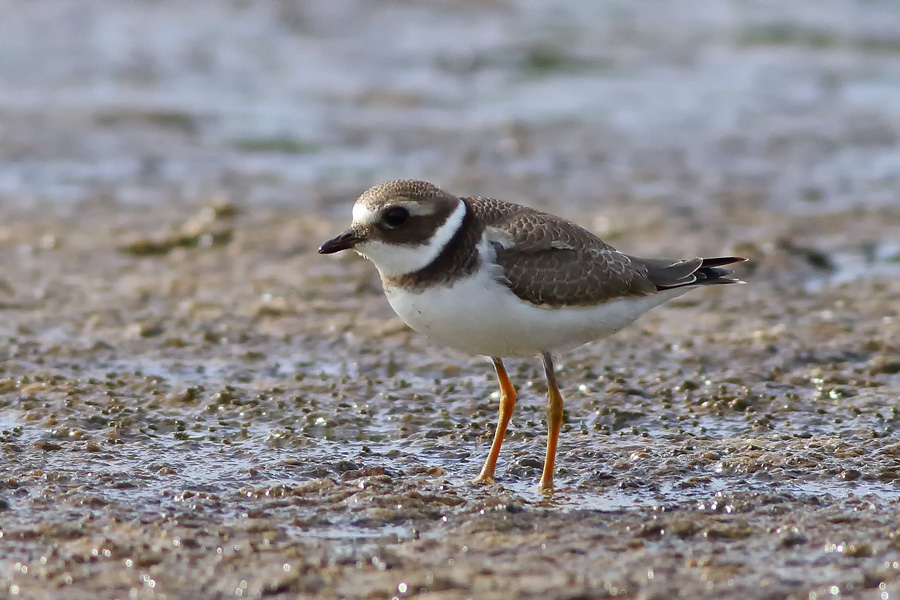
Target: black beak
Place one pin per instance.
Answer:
(346, 240)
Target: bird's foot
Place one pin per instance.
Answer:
(482, 479)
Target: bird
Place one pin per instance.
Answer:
(502, 280)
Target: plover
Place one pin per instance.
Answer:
(502, 280)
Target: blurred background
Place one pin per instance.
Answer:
(738, 105)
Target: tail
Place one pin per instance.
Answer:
(668, 274)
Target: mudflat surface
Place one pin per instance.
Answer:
(194, 404)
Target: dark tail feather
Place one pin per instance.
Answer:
(721, 261)
(668, 274)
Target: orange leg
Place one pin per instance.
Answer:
(554, 421)
(507, 403)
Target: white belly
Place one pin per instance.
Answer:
(478, 315)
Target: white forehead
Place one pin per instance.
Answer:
(363, 214)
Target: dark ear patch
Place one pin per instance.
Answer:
(397, 225)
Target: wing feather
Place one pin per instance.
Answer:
(549, 261)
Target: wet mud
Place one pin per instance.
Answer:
(194, 404)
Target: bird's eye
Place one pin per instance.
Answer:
(395, 217)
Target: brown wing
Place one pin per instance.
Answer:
(549, 261)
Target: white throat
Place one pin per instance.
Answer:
(394, 260)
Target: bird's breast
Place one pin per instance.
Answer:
(479, 315)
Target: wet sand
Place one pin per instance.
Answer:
(193, 403)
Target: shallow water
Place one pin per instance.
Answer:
(792, 107)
